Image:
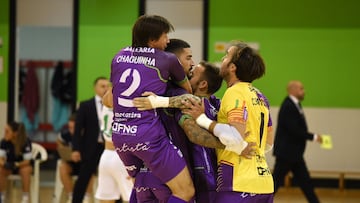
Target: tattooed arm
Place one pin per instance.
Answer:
(202, 137)
(176, 101)
(199, 135)
(152, 101)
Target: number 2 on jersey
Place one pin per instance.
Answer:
(132, 87)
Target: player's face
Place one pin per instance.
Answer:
(160, 43)
(9, 133)
(226, 62)
(196, 78)
(101, 87)
(186, 60)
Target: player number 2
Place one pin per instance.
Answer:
(132, 87)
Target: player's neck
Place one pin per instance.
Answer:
(232, 82)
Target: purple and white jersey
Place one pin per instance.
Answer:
(133, 72)
(204, 159)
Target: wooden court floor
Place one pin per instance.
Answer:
(288, 195)
(326, 195)
(284, 195)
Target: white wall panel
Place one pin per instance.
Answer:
(45, 13)
(344, 127)
(186, 16)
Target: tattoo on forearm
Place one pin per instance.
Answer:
(200, 136)
(175, 102)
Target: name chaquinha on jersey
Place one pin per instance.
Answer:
(136, 60)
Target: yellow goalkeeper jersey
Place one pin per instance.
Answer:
(245, 104)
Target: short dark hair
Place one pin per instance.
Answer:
(99, 78)
(212, 76)
(249, 64)
(149, 27)
(176, 45)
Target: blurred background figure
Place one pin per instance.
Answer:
(15, 157)
(88, 143)
(113, 180)
(68, 168)
(290, 142)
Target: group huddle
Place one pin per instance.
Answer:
(184, 145)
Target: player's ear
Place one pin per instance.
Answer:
(203, 85)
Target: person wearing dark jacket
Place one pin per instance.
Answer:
(290, 142)
(87, 141)
(15, 157)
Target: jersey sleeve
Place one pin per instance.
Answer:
(235, 108)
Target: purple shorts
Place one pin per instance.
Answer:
(243, 197)
(149, 188)
(205, 197)
(163, 158)
(152, 195)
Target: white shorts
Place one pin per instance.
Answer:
(113, 179)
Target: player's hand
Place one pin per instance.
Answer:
(236, 148)
(148, 101)
(193, 107)
(142, 103)
(249, 150)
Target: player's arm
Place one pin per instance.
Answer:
(199, 135)
(203, 137)
(269, 140)
(229, 135)
(152, 101)
(107, 99)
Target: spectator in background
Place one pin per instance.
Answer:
(68, 168)
(290, 142)
(15, 157)
(88, 143)
(114, 183)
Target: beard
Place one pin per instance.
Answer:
(224, 72)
